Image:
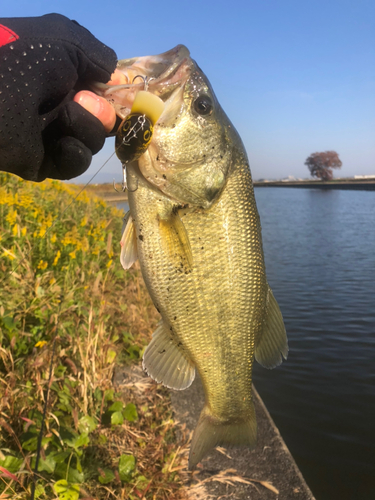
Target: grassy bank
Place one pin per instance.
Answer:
(66, 303)
(107, 191)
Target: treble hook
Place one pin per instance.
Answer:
(123, 183)
(146, 80)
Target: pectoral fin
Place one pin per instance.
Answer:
(272, 345)
(129, 252)
(166, 362)
(175, 242)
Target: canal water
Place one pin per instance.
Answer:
(320, 256)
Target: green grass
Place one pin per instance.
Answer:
(61, 285)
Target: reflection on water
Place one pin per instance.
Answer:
(320, 257)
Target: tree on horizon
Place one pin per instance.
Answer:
(321, 164)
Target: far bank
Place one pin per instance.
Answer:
(345, 183)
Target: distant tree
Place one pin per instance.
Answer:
(321, 164)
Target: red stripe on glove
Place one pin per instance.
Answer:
(7, 35)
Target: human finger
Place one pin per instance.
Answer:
(98, 106)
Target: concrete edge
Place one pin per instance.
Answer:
(242, 474)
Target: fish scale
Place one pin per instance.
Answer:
(195, 228)
(219, 305)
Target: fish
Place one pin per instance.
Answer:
(195, 229)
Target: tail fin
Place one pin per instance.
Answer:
(210, 432)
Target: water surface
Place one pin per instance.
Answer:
(320, 256)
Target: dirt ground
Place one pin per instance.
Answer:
(238, 473)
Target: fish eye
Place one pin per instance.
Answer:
(203, 105)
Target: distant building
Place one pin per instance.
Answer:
(289, 178)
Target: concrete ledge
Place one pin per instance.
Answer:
(270, 461)
(109, 198)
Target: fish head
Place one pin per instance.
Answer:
(191, 152)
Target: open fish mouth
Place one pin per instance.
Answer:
(163, 74)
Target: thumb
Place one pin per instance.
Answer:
(99, 107)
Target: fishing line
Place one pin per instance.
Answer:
(62, 213)
(124, 141)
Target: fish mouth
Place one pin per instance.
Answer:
(163, 73)
(158, 67)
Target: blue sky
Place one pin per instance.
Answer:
(295, 77)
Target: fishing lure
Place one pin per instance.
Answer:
(135, 131)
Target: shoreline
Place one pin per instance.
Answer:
(352, 184)
(108, 194)
(270, 462)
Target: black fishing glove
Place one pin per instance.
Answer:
(44, 61)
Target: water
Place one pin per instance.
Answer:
(320, 257)
(123, 205)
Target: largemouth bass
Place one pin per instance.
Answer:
(195, 228)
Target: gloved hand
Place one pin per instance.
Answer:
(44, 61)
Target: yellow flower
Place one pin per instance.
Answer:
(58, 255)
(109, 263)
(41, 343)
(100, 203)
(11, 217)
(24, 231)
(85, 244)
(84, 198)
(15, 230)
(49, 220)
(72, 255)
(5, 198)
(70, 237)
(42, 265)
(53, 238)
(25, 201)
(9, 254)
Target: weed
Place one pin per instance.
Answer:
(60, 285)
